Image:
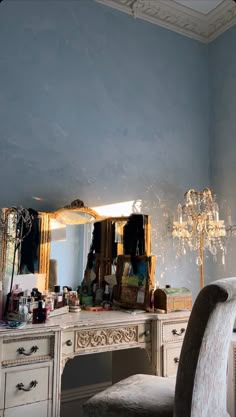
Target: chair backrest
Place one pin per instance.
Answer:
(201, 383)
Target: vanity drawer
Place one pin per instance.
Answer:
(171, 355)
(27, 386)
(27, 349)
(68, 342)
(173, 331)
(144, 333)
(106, 338)
(39, 409)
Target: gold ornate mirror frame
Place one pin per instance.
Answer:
(94, 216)
(44, 243)
(68, 215)
(43, 255)
(76, 207)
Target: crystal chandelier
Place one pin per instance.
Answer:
(199, 228)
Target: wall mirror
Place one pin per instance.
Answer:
(71, 233)
(75, 243)
(87, 250)
(24, 249)
(26, 244)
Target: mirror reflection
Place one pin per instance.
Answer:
(69, 248)
(81, 253)
(22, 249)
(73, 248)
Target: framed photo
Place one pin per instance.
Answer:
(135, 281)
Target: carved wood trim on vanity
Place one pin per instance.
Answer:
(64, 360)
(24, 361)
(26, 339)
(106, 337)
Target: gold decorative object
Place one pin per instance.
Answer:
(199, 228)
(76, 213)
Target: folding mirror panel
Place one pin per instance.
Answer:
(74, 247)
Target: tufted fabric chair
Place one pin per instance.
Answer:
(200, 386)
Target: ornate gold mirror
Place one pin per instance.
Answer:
(75, 244)
(71, 233)
(24, 249)
(76, 213)
(84, 252)
(26, 243)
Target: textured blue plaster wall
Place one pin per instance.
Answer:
(97, 105)
(222, 82)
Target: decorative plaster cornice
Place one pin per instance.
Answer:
(221, 19)
(181, 19)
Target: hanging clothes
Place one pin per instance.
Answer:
(30, 245)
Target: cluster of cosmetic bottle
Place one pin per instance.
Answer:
(36, 306)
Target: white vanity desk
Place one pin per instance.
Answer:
(33, 358)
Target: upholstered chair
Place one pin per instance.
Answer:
(200, 387)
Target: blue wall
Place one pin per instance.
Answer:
(99, 106)
(222, 70)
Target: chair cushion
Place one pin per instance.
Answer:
(138, 395)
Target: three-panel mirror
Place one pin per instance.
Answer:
(66, 247)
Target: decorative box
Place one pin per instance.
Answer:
(172, 299)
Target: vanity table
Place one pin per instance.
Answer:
(33, 358)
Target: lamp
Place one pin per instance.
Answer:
(198, 227)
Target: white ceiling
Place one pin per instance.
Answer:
(202, 6)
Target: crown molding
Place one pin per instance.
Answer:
(221, 19)
(179, 18)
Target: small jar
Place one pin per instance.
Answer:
(50, 301)
(74, 300)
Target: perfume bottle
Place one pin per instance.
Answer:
(65, 296)
(23, 309)
(58, 300)
(40, 313)
(106, 295)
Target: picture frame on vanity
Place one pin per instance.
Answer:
(135, 281)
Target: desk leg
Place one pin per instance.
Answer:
(57, 377)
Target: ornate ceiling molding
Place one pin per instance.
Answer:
(181, 19)
(221, 19)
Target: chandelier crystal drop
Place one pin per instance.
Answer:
(198, 227)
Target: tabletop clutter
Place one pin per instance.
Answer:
(36, 307)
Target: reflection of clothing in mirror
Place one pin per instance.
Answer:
(30, 244)
(134, 235)
(96, 240)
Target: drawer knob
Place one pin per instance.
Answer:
(69, 342)
(22, 351)
(175, 332)
(176, 360)
(21, 386)
(147, 333)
